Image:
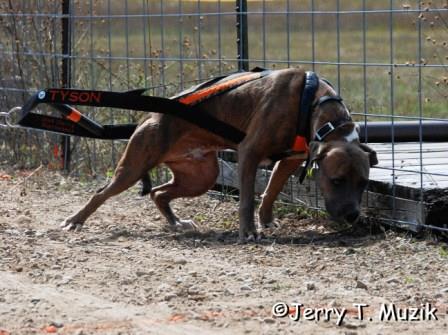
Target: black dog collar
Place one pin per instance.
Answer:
(325, 130)
(327, 98)
(328, 128)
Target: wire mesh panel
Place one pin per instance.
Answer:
(30, 57)
(387, 58)
(164, 46)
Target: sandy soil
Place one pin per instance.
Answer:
(124, 274)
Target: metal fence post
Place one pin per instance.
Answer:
(242, 35)
(66, 73)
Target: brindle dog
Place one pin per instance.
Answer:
(267, 111)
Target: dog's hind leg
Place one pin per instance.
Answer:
(280, 174)
(191, 177)
(130, 169)
(119, 183)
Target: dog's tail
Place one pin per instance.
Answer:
(146, 185)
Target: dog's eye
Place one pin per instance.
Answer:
(337, 181)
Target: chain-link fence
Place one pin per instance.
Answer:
(388, 59)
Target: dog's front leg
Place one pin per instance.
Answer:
(247, 170)
(280, 174)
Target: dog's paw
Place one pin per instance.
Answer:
(251, 237)
(69, 225)
(271, 225)
(185, 225)
(267, 221)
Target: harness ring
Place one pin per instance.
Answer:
(7, 121)
(3, 123)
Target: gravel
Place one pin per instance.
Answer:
(125, 274)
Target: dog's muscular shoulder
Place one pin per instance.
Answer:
(265, 109)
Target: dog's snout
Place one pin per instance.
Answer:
(352, 216)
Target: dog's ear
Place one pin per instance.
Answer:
(317, 151)
(372, 154)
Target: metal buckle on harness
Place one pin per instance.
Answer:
(7, 122)
(326, 129)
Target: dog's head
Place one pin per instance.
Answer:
(343, 176)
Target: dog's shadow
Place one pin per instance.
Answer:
(353, 237)
(356, 236)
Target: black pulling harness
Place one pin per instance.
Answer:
(329, 127)
(306, 109)
(132, 100)
(76, 124)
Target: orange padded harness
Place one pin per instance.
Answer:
(220, 87)
(300, 142)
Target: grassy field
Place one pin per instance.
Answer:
(180, 42)
(182, 48)
(172, 44)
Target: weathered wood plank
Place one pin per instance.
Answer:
(432, 163)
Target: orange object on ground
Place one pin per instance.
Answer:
(51, 329)
(5, 177)
(177, 317)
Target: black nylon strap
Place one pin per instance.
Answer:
(62, 99)
(310, 87)
(135, 101)
(66, 127)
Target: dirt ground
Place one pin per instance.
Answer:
(125, 274)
